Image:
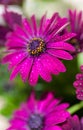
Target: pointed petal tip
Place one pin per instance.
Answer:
(11, 77)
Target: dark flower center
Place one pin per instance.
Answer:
(74, 41)
(35, 122)
(36, 46)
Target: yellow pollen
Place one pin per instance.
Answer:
(36, 46)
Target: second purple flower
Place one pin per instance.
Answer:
(46, 114)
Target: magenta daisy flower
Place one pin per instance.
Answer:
(76, 26)
(36, 50)
(73, 123)
(78, 84)
(44, 114)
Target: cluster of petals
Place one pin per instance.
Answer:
(49, 44)
(73, 123)
(78, 84)
(44, 114)
(76, 26)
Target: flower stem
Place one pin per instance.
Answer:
(75, 107)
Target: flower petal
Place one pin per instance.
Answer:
(43, 72)
(60, 25)
(27, 26)
(65, 37)
(20, 31)
(62, 106)
(60, 65)
(14, 59)
(21, 114)
(15, 72)
(72, 18)
(53, 128)
(17, 38)
(61, 45)
(60, 54)
(12, 128)
(79, 22)
(42, 22)
(52, 106)
(12, 18)
(50, 25)
(34, 24)
(42, 105)
(15, 45)
(32, 103)
(49, 64)
(25, 68)
(33, 76)
(57, 117)
(18, 123)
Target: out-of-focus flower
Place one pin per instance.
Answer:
(78, 84)
(34, 51)
(81, 121)
(44, 114)
(73, 123)
(5, 2)
(3, 31)
(76, 26)
(10, 18)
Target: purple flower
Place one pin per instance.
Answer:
(81, 121)
(35, 51)
(78, 84)
(10, 18)
(76, 26)
(44, 114)
(73, 123)
(3, 31)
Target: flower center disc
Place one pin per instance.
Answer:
(35, 122)
(73, 41)
(36, 46)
